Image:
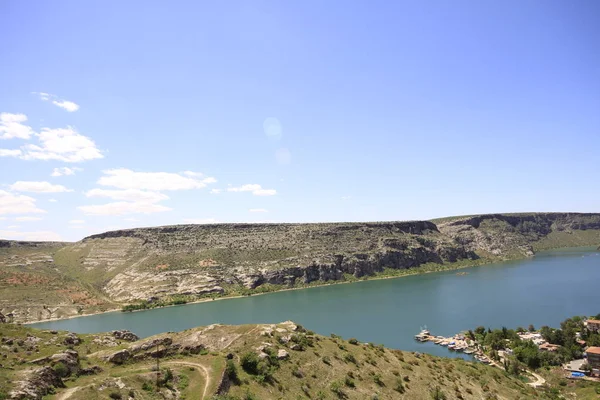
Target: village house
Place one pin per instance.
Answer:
(593, 325)
(593, 356)
(593, 359)
(549, 347)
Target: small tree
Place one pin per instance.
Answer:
(531, 328)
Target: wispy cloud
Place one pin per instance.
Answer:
(77, 221)
(38, 187)
(31, 236)
(124, 178)
(123, 208)
(28, 219)
(254, 188)
(17, 204)
(65, 171)
(258, 210)
(62, 103)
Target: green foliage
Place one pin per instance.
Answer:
(348, 381)
(337, 388)
(231, 371)
(61, 369)
(377, 380)
(437, 394)
(249, 362)
(349, 357)
(353, 341)
(115, 395)
(399, 386)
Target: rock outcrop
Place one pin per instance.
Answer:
(196, 261)
(36, 383)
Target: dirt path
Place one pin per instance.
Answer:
(205, 370)
(539, 380)
(69, 392)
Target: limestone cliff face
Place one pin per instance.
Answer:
(136, 264)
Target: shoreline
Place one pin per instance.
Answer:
(484, 262)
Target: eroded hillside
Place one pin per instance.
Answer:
(280, 361)
(190, 262)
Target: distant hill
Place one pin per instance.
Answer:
(181, 263)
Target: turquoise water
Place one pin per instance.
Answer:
(543, 290)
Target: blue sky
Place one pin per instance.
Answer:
(175, 112)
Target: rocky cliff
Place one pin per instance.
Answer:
(206, 260)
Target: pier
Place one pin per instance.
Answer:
(458, 342)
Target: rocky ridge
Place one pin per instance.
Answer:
(195, 261)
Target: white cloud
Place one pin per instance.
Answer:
(201, 221)
(38, 187)
(64, 144)
(128, 195)
(10, 153)
(64, 171)
(52, 200)
(2, 218)
(17, 204)
(124, 178)
(67, 105)
(77, 221)
(346, 197)
(132, 219)
(12, 227)
(64, 104)
(122, 208)
(23, 219)
(32, 236)
(215, 191)
(11, 126)
(256, 190)
(258, 210)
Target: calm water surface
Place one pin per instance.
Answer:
(543, 290)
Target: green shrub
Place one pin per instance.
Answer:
(353, 341)
(377, 380)
(336, 387)
(349, 357)
(348, 381)
(115, 395)
(399, 386)
(437, 394)
(250, 362)
(231, 371)
(61, 369)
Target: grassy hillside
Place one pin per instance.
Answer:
(282, 361)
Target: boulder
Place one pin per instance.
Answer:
(262, 355)
(296, 347)
(93, 370)
(125, 335)
(72, 339)
(2, 318)
(37, 383)
(119, 357)
(69, 359)
(282, 354)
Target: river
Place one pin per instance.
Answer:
(543, 290)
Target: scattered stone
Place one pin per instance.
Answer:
(72, 339)
(119, 357)
(125, 335)
(37, 383)
(281, 330)
(282, 354)
(2, 318)
(296, 347)
(262, 355)
(70, 359)
(93, 370)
